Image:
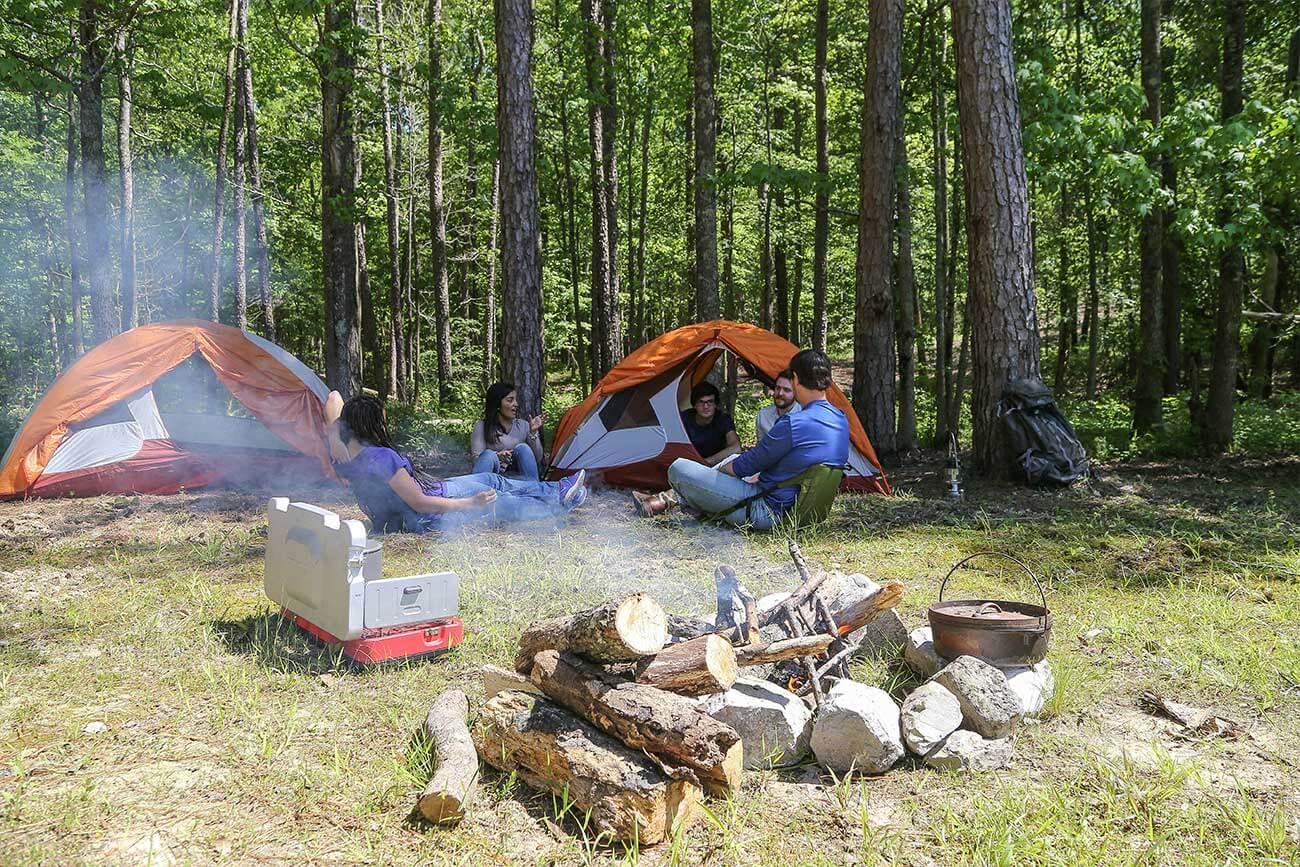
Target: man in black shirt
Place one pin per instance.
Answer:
(711, 430)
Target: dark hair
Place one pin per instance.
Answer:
(497, 392)
(704, 389)
(785, 374)
(363, 418)
(813, 369)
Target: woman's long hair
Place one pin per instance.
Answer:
(497, 392)
(363, 418)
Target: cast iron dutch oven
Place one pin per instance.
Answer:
(997, 631)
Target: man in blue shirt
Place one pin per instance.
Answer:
(818, 434)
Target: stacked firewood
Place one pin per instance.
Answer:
(603, 705)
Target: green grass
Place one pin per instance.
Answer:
(232, 738)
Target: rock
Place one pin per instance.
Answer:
(885, 636)
(766, 635)
(773, 723)
(94, 728)
(840, 590)
(966, 751)
(770, 601)
(1033, 685)
(987, 703)
(857, 729)
(920, 655)
(930, 713)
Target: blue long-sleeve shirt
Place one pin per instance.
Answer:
(819, 434)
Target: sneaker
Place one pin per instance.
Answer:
(579, 498)
(571, 486)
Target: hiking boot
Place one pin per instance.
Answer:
(649, 505)
(572, 488)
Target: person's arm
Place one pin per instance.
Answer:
(405, 486)
(477, 441)
(339, 453)
(732, 448)
(766, 454)
(534, 438)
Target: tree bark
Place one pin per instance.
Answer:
(437, 210)
(1171, 244)
(338, 199)
(618, 630)
(939, 146)
(255, 188)
(490, 365)
(639, 333)
(570, 226)
(1005, 328)
(700, 666)
(90, 87)
(70, 227)
(707, 303)
(622, 794)
(372, 369)
(1232, 266)
(1261, 343)
(521, 264)
(126, 255)
(779, 651)
(613, 326)
(645, 718)
(874, 370)
(905, 301)
(219, 196)
(1148, 413)
(821, 229)
(1069, 296)
(1094, 307)
(444, 799)
(392, 385)
(240, 149)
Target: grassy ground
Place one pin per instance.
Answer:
(227, 737)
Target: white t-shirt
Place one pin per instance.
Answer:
(767, 417)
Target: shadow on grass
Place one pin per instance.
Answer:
(278, 645)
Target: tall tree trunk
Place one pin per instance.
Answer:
(1287, 266)
(939, 147)
(569, 199)
(1261, 343)
(1232, 265)
(767, 306)
(821, 229)
(490, 365)
(338, 198)
(1171, 244)
(873, 325)
(1094, 329)
(437, 210)
(255, 186)
(605, 334)
(237, 180)
(392, 385)
(1005, 343)
(905, 301)
(219, 195)
(1147, 409)
(70, 226)
(521, 265)
(794, 325)
(707, 305)
(612, 328)
(372, 357)
(1069, 297)
(640, 335)
(126, 255)
(90, 87)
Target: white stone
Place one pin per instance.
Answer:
(94, 728)
(773, 723)
(1033, 686)
(857, 729)
(987, 703)
(965, 750)
(840, 590)
(884, 636)
(770, 601)
(930, 713)
(920, 655)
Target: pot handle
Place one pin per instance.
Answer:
(1027, 571)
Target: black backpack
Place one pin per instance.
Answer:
(1043, 446)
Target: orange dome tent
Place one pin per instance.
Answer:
(629, 428)
(169, 406)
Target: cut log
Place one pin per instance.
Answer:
(645, 718)
(626, 797)
(701, 666)
(497, 679)
(443, 800)
(779, 651)
(685, 628)
(615, 631)
(864, 611)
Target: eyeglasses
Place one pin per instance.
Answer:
(706, 401)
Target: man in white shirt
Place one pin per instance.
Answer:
(783, 403)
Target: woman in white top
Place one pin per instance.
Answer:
(502, 442)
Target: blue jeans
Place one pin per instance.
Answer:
(710, 491)
(517, 499)
(525, 463)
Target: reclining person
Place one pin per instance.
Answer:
(710, 430)
(818, 434)
(501, 441)
(396, 499)
(783, 402)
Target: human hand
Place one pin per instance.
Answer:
(535, 424)
(483, 499)
(333, 407)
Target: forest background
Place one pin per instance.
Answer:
(331, 174)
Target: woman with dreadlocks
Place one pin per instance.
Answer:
(398, 499)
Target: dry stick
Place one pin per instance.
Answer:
(845, 645)
(797, 632)
(779, 651)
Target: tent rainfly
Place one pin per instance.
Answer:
(171, 406)
(629, 429)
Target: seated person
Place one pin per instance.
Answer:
(502, 442)
(818, 434)
(710, 430)
(397, 499)
(783, 402)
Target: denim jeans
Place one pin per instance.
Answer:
(517, 499)
(710, 491)
(524, 465)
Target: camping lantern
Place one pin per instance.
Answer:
(952, 469)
